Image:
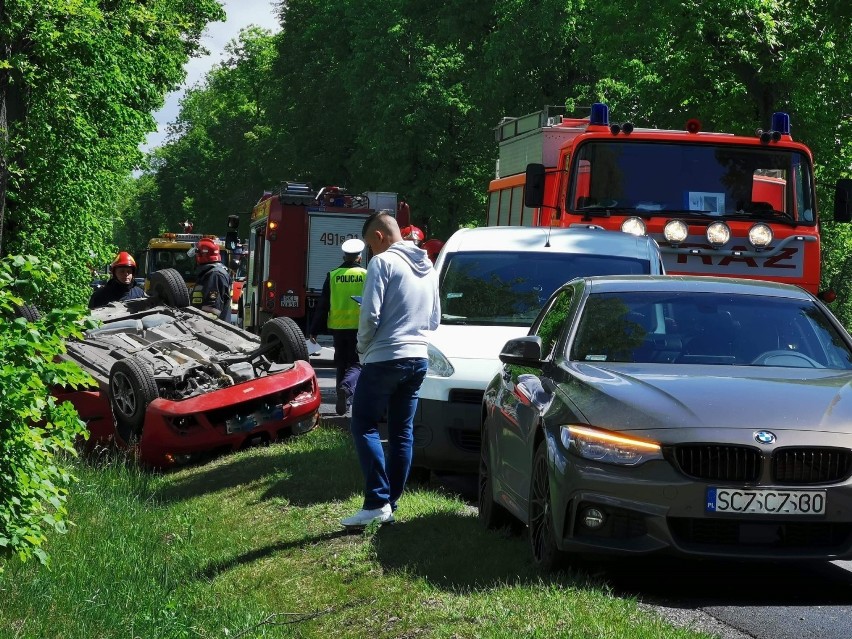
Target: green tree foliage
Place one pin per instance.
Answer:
(79, 80)
(37, 429)
(219, 150)
(384, 102)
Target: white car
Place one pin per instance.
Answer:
(493, 283)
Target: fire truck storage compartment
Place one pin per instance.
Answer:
(530, 139)
(326, 232)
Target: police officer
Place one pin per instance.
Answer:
(120, 286)
(212, 291)
(338, 312)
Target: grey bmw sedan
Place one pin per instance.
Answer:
(697, 416)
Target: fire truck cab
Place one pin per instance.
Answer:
(295, 236)
(716, 203)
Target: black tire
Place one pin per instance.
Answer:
(168, 286)
(131, 388)
(29, 312)
(288, 336)
(542, 533)
(491, 514)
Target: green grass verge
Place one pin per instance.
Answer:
(249, 546)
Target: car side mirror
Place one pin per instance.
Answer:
(534, 188)
(843, 201)
(523, 351)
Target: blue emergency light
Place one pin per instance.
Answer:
(600, 114)
(781, 122)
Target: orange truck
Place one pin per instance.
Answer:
(716, 203)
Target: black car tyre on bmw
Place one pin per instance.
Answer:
(546, 555)
(168, 286)
(491, 514)
(284, 332)
(131, 388)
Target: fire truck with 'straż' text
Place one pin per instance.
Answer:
(716, 203)
(295, 236)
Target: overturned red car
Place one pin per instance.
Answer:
(175, 385)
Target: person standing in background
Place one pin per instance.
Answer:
(337, 312)
(399, 310)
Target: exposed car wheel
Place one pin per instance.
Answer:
(491, 514)
(28, 312)
(542, 534)
(168, 285)
(288, 336)
(131, 388)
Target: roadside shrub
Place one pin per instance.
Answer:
(36, 431)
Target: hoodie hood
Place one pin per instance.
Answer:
(417, 258)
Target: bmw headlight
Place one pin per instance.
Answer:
(608, 447)
(633, 226)
(439, 365)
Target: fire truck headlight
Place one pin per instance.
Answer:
(718, 234)
(760, 235)
(633, 226)
(675, 231)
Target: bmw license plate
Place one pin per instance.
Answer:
(765, 502)
(290, 301)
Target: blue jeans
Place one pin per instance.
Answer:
(391, 386)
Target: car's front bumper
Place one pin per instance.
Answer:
(448, 422)
(447, 433)
(654, 508)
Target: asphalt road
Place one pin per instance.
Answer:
(732, 600)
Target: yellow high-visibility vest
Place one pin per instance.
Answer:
(344, 282)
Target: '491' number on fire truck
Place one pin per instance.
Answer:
(335, 239)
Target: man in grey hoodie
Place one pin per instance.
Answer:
(399, 309)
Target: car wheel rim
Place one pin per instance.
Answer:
(122, 395)
(540, 529)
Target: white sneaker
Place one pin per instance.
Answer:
(362, 518)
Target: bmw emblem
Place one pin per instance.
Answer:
(764, 437)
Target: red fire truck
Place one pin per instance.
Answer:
(294, 241)
(716, 203)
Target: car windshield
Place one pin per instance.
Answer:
(701, 179)
(509, 288)
(707, 328)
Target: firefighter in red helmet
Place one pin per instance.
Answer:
(212, 291)
(413, 234)
(120, 286)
